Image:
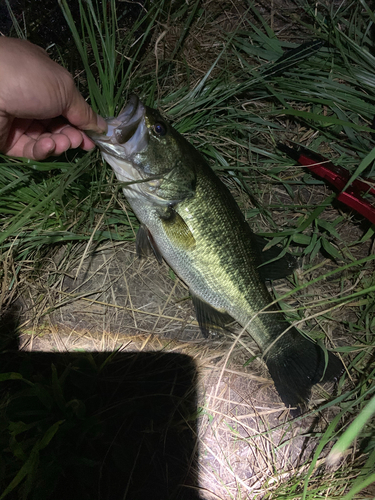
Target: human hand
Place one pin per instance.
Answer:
(41, 111)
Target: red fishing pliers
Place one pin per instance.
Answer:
(338, 177)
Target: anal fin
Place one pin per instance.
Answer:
(210, 318)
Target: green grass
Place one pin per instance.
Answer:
(235, 102)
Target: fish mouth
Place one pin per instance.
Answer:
(127, 134)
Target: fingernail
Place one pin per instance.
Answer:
(101, 123)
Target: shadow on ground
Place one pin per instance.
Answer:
(100, 426)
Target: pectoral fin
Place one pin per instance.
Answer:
(144, 244)
(177, 230)
(210, 318)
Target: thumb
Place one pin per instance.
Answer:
(82, 116)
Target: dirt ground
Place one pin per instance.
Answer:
(111, 300)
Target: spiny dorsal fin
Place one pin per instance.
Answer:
(144, 243)
(210, 318)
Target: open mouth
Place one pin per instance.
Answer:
(127, 134)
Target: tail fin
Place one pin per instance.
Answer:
(296, 364)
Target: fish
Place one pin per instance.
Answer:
(190, 219)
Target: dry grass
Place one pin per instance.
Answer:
(117, 301)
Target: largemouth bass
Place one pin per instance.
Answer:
(189, 218)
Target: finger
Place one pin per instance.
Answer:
(87, 143)
(32, 128)
(5, 125)
(40, 149)
(28, 148)
(74, 135)
(47, 145)
(23, 137)
(62, 144)
(82, 116)
(77, 137)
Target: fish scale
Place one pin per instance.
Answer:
(190, 219)
(227, 282)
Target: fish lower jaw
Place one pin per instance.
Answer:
(124, 171)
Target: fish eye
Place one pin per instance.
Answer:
(160, 128)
